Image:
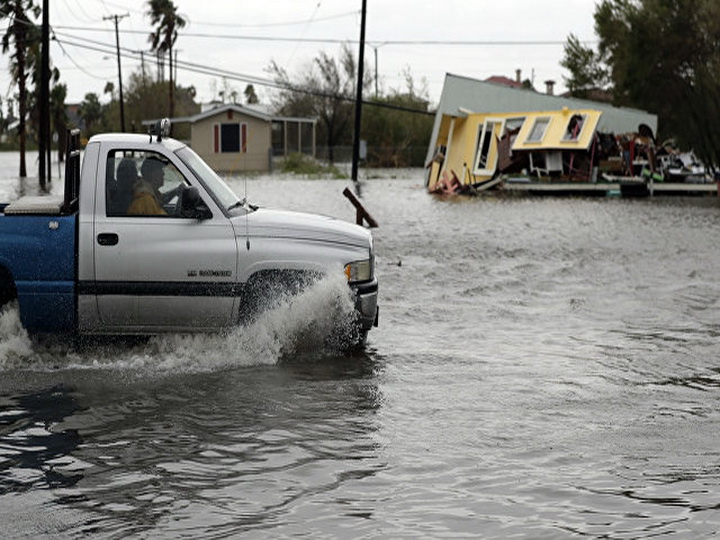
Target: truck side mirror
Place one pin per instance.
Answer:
(192, 206)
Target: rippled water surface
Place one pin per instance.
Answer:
(544, 367)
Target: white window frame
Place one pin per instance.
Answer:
(539, 137)
(567, 137)
(481, 167)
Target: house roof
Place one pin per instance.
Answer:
(463, 95)
(235, 108)
(248, 111)
(222, 109)
(482, 96)
(505, 81)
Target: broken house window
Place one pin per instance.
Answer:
(574, 127)
(512, 128)
(486, 154)
(538, 130)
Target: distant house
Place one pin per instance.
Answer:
(233, 138)
(505, 81)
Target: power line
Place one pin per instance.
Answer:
(424, 42)
(493, 43)
(241, 77)
(78, 66)
(271, 25)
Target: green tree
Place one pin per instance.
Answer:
(164, 16)
(664, 56)
(19, 36)
(34, 67)
(58, 115)
(325, 90)
(398, 126)
(145, 99)
(91, 112)
(587, 71)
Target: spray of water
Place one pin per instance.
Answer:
(320, 318)
(15, 344)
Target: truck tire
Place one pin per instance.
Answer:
(266, 289)
(8, 292)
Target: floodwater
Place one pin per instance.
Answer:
(544, 368)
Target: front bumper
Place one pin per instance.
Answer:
(366, 296)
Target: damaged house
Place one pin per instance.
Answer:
(483, 129)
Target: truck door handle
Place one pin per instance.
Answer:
(107, 239)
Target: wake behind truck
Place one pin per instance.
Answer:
(102, 260)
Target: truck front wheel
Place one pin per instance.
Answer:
(266, 290)
(8, 292)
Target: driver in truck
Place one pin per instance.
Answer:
(147, 199)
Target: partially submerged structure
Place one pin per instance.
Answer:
(540, 143)
(482, 129)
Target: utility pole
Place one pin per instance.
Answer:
(142, 63)
(44, 135)
(116, 19)
(375, 49)
(358, 99)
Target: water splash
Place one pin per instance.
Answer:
(15, 344)
(320, 318)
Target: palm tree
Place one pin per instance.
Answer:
(21, 32)
(91, 112)
(59, 116)
(164, 16)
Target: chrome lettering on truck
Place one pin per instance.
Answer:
(215, 273)
(209, 273)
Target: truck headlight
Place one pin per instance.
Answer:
(359, 271)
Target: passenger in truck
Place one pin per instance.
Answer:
(147, 199)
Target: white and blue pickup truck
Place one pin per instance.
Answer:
(149, 239)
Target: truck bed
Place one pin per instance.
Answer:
(47, 205)
(38, 248)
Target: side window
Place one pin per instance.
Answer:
(538, 130)
(121, 174)
(140, 183)
(486, 153)
(574, 127)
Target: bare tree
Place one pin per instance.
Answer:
(325, 90)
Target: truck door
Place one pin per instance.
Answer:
(155, 270)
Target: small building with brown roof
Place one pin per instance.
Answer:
(233, 138)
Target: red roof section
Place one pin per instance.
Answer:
(505, 81)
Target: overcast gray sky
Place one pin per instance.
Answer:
(243, 37)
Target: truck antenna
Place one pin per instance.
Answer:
(247, 211)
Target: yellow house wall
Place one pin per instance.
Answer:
(553, 138)
(202, 140)
(462, 144)
(436, 169)
(458, 148)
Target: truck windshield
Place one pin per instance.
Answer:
(218, 189)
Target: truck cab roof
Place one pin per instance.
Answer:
(137, 139)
